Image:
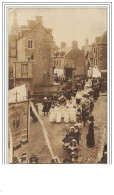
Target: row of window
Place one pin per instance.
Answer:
(59, 54)
(57, 62)
(95, 62)
(97, 50)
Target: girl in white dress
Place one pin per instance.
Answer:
(52, 114)
(58, 114)
(67, 115)
(73, 115)
(78, 97)
(62, 111)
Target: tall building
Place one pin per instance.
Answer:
(34, 44)
(100, 52)
(13, 35)
(96, 58)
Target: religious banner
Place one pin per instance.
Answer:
(18, 93)
(18, 122)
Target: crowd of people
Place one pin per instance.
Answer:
(71, 107)
(59, 79)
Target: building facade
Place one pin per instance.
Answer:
(34, 44)
(68, 59)
(96, 57)
(100, 52)
(12, 45)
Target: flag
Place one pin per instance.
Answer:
(18, 122)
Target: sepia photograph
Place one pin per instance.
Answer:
(57, 85)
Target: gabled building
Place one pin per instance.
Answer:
(35, 44)
(70, 60)
(96, 57)
(100, 52)
(77, 59)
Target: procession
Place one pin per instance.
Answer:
(74, 112)
(57, 96)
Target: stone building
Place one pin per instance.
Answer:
(100, 52)
(77, 59)
(69, 60)
(96, 58)
(59, 60)
(35, 43)
(12, 52)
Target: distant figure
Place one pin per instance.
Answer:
(52, 115)
(49, 104)
(90, 135)
(45, 106)
(67, 115)
(58, 114)
(78, 97)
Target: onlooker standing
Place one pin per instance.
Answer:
(90, 135)
(45, 106)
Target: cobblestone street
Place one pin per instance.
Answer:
(56, 132)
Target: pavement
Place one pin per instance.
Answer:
(56, 132)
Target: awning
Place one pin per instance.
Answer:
(103, 71)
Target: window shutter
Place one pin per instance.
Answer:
(18, 70)
(33, 44)
(30, 70)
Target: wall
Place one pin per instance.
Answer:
(21, 49)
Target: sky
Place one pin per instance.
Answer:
(68, 24)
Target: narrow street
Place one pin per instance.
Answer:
(56, 132)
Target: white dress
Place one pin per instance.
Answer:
(62, 111)
(66, 116)
(73, 115)
(78, 95)
(58, 115)
(52, 115)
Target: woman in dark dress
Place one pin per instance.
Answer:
(45, 106)
(84, 116)
(90, 135)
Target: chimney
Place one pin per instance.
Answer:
(30, 23)
(74, 44)
(39, 19)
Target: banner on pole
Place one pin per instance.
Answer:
(18, 122)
